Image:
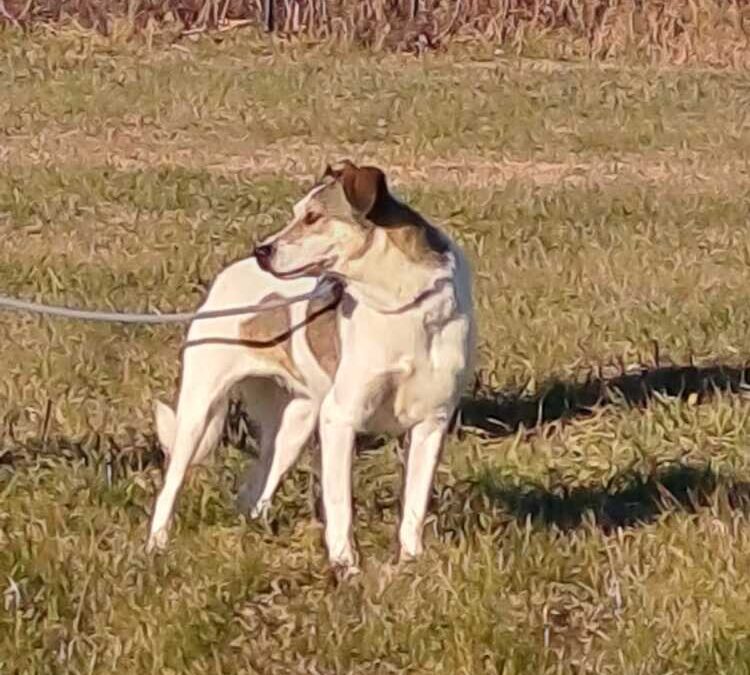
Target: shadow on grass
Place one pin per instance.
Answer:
(500, 414)
(103, 451)
(629, 499)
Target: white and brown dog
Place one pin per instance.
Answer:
(391, 355)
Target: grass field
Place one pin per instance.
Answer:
(591, 517)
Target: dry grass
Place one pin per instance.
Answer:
(712, 32)
(591, 516)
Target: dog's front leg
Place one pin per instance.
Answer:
(426, 440)
(337, 432)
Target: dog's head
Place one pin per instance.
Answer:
(330, 225)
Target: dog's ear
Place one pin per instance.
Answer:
(363, 185)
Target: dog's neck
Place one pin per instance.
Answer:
(386, 277)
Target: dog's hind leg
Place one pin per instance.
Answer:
(206, 380)
(264, 402)
(214, 430)
(166, 425)
(282, 438)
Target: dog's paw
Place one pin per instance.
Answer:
(407, 557)
(157, 541)
(251, 506)
(250, 499)
(260, 510)
(342, 572)
(407, 554)
(345, 565)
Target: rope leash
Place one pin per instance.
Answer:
(325, 287)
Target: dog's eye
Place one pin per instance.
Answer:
(312, 217)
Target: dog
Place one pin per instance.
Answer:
(391, 353)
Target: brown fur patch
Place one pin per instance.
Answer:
(408, 231)
(420, 245)
(322, 334)
(366, 190)
(272, 330)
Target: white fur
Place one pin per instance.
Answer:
(398, 372)
(166, 425)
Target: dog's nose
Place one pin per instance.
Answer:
(263, 253)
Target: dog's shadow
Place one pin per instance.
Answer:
(498, 414)
(631, 497)
(490, 501)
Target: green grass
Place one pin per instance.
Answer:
(605, 211)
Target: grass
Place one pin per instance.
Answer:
(590, 517)
(707, 32)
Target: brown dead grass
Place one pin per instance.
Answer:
(713, 32)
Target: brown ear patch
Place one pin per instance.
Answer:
(363, 186)
(271, 330)
(367, 192)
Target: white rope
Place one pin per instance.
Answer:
(325, 287)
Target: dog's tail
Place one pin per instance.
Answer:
(166, 426)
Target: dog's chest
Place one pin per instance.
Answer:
(415, 363)
(433, 381)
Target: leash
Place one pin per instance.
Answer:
(438, 286)
(325, 287)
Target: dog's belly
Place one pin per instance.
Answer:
(384, 419)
